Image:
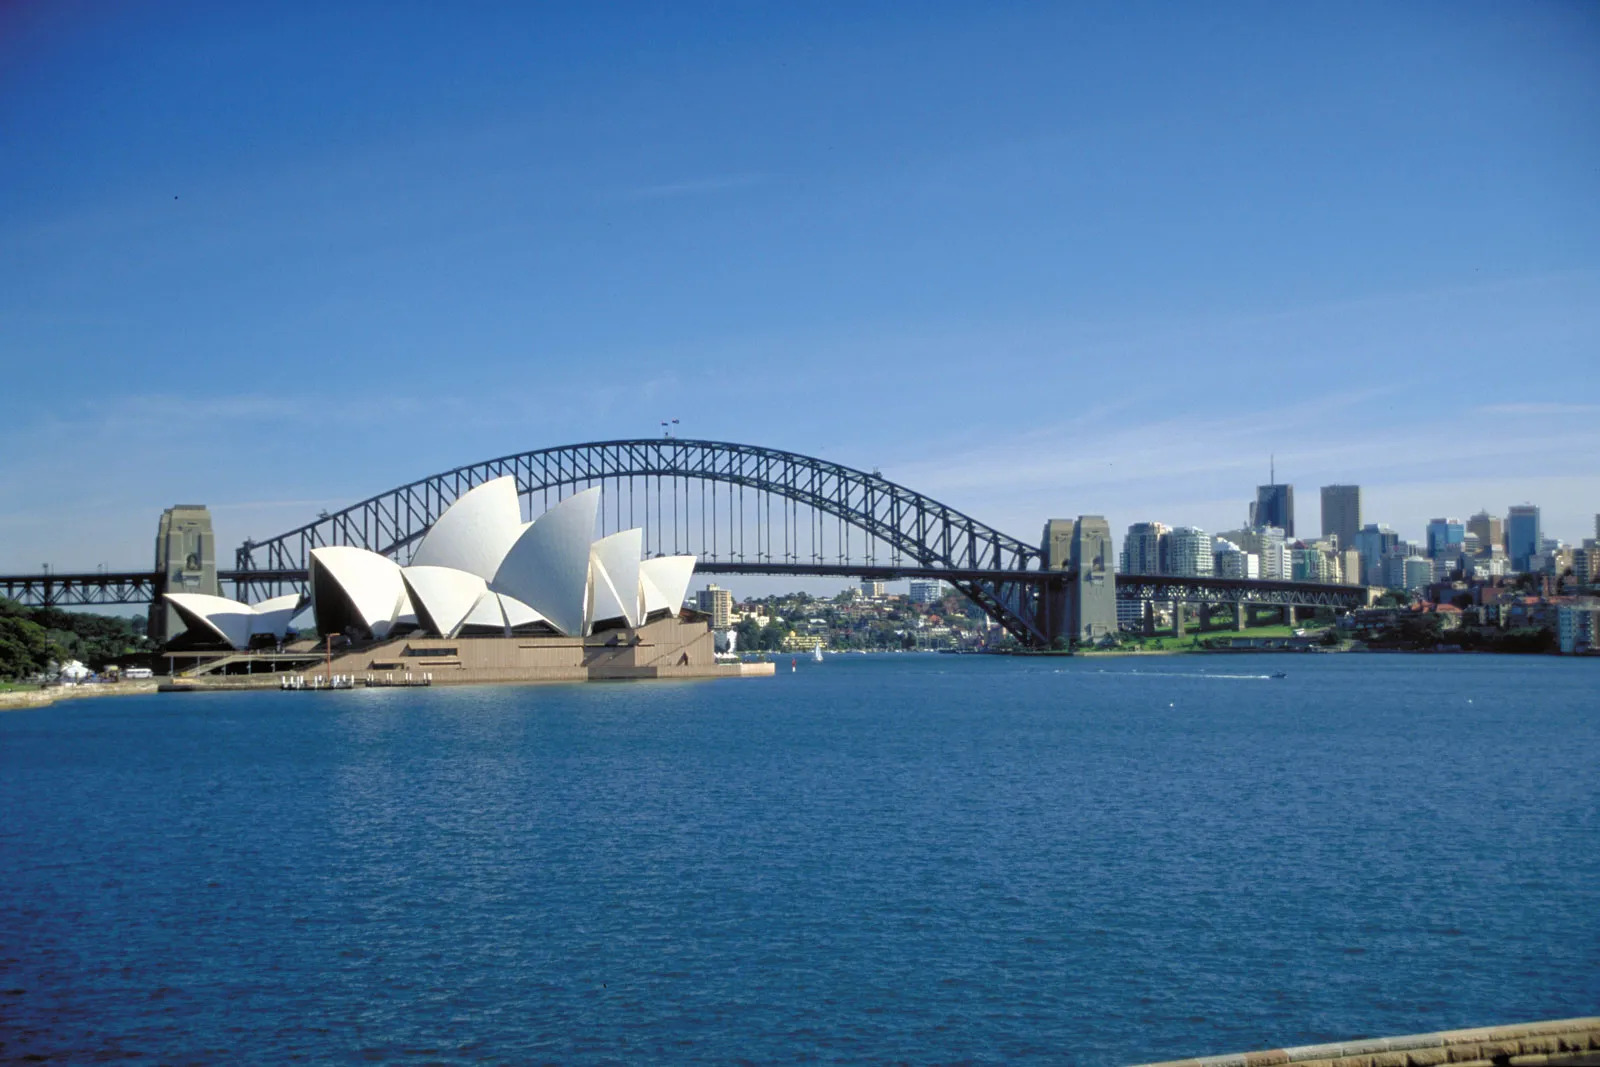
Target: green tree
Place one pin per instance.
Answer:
(749, 632)
(95, 639)
(772, 636)
(1420, 629)
(24, 647)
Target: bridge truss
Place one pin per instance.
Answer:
(80, 590)
(762, 510)
(741, 509)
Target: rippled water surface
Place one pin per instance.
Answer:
(927, 858)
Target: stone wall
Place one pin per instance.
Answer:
(1560, 1043)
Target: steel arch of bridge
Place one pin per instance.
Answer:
(932, 534)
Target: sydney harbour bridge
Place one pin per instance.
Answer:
(742, 509)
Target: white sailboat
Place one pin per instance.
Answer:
(816, 653)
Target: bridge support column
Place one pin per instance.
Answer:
(186, 561)
(1288, 615)
(1177, 618)
(1056, 610)
(1085, 608)
(1149, 618)
(1238, 617)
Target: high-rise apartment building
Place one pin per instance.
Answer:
(1403, 571)
(1141, 549)
(1268, 545)
(718, 603)
(926, 590)
(1277, 564)
(1586, 562)
(1341, 513)
(1489, 529)
(1274, 506)
(1523, 537)
(1230, 561)
(872, 588)
(1189, 552)
(1313, 565)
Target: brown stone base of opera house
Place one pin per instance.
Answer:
(667, 648)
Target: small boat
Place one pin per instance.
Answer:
(1279, 674)
(792, 663)
(816, 653)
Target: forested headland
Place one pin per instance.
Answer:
(33, 638)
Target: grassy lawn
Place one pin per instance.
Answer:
(1190, 641)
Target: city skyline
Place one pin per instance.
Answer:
(1032, 263)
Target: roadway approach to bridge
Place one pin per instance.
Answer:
(741, 509)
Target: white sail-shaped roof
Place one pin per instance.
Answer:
(227, 619)
(664, 582)
(474, 533)
(351, 586)
(650, 598)
(443, 596)
(273, 616)
(517, 614)
(232, 621)
(405, 616)
(614, 572)
(486, 617)
(548, 567)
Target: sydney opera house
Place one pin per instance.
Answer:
(486, 597)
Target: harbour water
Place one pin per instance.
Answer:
(914, 857)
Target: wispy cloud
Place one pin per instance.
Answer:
(1540, 409)
(1203, 470)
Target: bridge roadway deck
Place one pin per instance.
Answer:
(139, 587)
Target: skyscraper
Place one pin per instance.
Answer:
(1489, 530)
(1274, 505)
(1341, 513)
(1445, 536)
(1374, 541)
(1522, 535)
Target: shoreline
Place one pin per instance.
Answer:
(44, 696)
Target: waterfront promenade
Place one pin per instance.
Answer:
(1554, 1043)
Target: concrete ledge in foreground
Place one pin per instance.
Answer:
(1558, 1043)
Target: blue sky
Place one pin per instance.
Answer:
(1032, 260)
